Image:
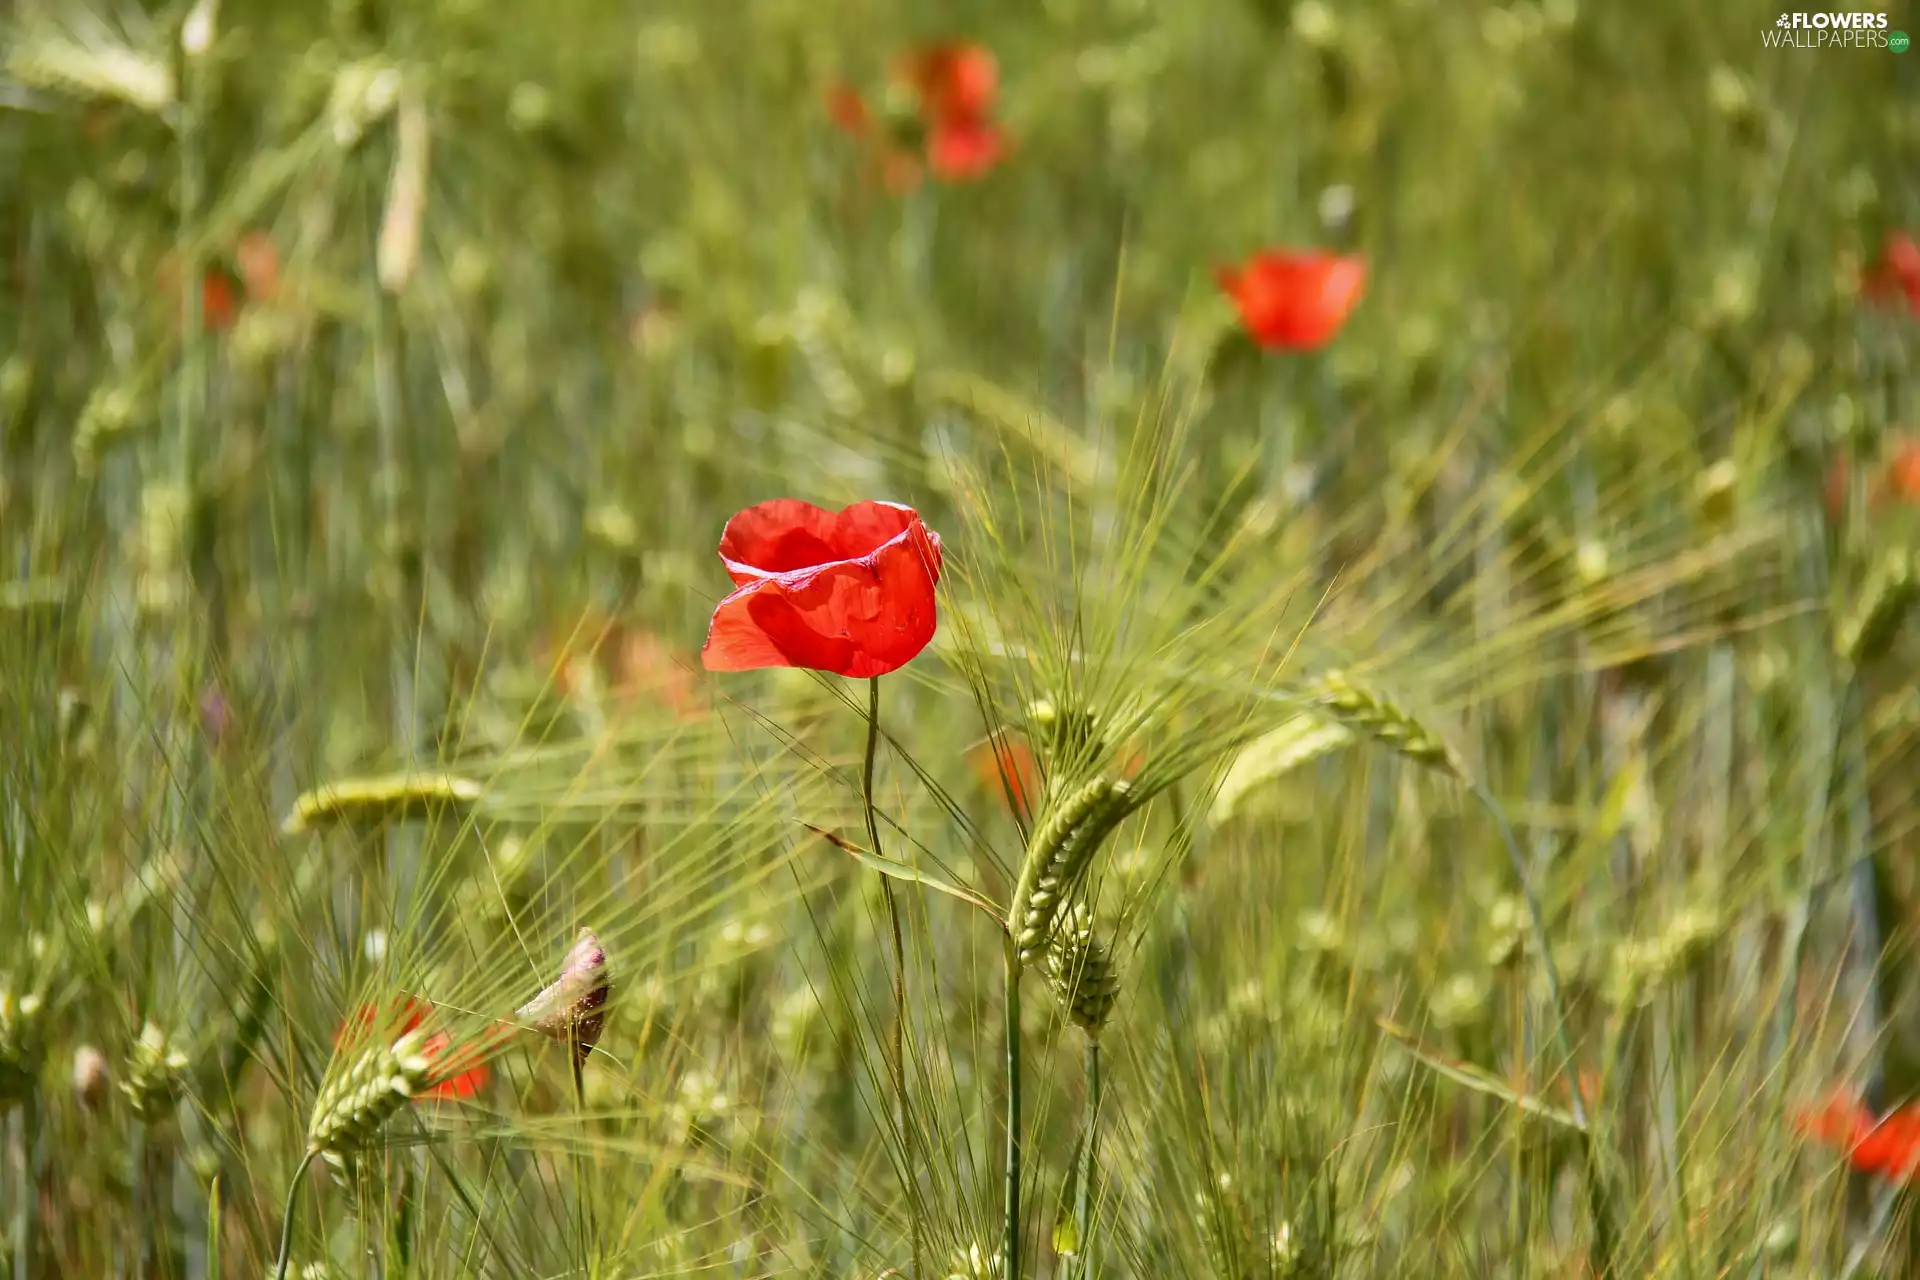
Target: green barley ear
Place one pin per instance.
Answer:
(154, 1075)
(351, 1109)
(1273, 755)
(1888, 594)
(22, 1043)
(1371, 713)
(1081, 971)
(375, 802)
(1065, 729)
(1058, 856)
(49, 56)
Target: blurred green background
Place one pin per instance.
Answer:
(375, 380)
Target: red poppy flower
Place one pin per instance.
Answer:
(1896, 273)
(849, 592)
(1295, 301)
(962, 150)
(1887, 1146)
(958, 80)
(1008, 769)
(460, 1073)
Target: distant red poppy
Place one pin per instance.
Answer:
(1007, 768)
(963, 150)
(1295, 301)
(1896, 273)
(848, 110)
(459, 1074)
(952, 87)
(956, 80)
(850, 592)
(1886, 1146)
(1903, 470)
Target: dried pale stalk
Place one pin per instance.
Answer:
(399, 249)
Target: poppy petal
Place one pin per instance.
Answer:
(787, 535)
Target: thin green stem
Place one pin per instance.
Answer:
(898, 1049)
(286, 1217)
(1010, 1241)
(26, 1211)
(1090, 1160)
(1598, 1171)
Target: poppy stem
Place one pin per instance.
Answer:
(898, 1049)
(286, 1217)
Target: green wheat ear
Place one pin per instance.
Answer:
(1058, 856)
(154, 1076)
(22, 1043)
(1081, 970)
(374, 802)
(1373, 714)
(354, 1106)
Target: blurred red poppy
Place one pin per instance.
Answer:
(851, 592)
(624, 661)
(848, 110)
(964, 150)
(957, 80)
(223, 291)
(459, 1073)
(1295, 301)
(1007, 768)
(1903, 470)
(952, 88)
(1886, 1146)
(1895, 274)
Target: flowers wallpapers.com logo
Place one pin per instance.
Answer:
(1833, 30)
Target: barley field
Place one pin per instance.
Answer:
(1089, 639)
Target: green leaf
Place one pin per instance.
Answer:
(1480, 1080)
(901, 871)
